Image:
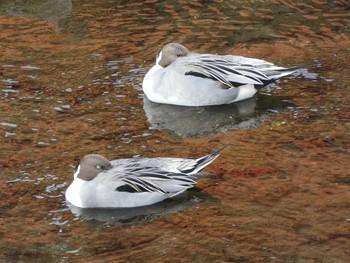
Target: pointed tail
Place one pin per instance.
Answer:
(197, 165)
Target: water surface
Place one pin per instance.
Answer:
(70, 84)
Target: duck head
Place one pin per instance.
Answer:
(90, 166)
(169, 53)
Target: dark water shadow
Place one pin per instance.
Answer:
(196, 121)
(140, 215)
(50, 10)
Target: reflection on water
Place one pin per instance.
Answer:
(69, 92)
(194, 121)
(51, 10)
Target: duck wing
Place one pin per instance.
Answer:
(228, 71)
(136, 179)
(235, 71)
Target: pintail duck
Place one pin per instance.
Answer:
(182, 77)
(134, 182)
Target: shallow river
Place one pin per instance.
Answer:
(70, 84)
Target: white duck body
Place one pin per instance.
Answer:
(133, 182)
(181, 77)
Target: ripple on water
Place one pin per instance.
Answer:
(10, 125)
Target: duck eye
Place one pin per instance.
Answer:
(99, 167)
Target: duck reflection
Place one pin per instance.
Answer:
(50, 10)
(193, 121)
(139, 215)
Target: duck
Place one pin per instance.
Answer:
(133, 182)
(185, 78)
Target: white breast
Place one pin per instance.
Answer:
(73, 192)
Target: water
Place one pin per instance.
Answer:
(70, 84)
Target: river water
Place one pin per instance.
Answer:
(70, 84)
